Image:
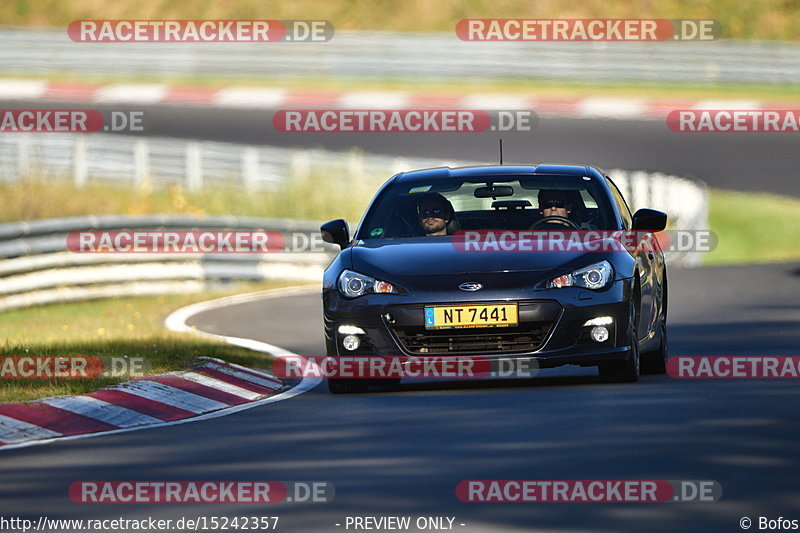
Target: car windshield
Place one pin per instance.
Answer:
(406, 208)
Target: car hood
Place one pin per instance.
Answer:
(416, 259)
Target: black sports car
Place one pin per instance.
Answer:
(501, 262)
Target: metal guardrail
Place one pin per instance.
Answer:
(156, 161)
(38, 268)
(411, 57)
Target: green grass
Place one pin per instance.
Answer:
(740, 19)
(117, 327)
(320, 196)
(753, 228)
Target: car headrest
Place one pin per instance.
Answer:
(454, 225)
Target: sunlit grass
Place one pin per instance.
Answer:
(740, 19)
(754, 228)
(115, 327)
(318, 196)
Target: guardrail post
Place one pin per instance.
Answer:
(23, 156)
(250, 168)
(355, 166)
(640, 190)
(141, 162)
(622, 180)
(80, 167)
(300, 166)
(194, 168)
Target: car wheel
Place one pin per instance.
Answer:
(626, 371)
(347, 386)
(656, 362)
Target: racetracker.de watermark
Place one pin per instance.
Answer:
(402, 121)
(576, 241)
(587, 491)
(252, 492)
(72, 367)
(733, 367)
(195, 242)
(69, 121)
(200, 31)
(582, 30)
(734, 120)
(403, 367)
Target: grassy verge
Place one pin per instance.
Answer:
(314, 197)
(753, 228)
(105, 328)
(742, 19)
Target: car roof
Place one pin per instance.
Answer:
(498, 170)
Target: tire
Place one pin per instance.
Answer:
(347, 386)
(656, 362)
(627, 371)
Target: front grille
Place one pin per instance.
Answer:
(527, 337)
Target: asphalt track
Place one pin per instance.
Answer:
(764, 162)
(402, 451)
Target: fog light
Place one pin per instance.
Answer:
(351, 342)
(599, 334)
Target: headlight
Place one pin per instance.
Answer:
(596, 276)
(352, 284)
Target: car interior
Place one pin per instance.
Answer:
(519, 211)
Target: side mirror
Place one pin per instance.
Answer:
(336, 232)
(649, 220)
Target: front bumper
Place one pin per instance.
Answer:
(550, 333)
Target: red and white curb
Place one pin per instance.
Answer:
(211, 389)
(279, 98)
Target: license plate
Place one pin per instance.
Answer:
(470, 316)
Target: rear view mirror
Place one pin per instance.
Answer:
(510, 205)
(649, 220)
(494, 192)
(336, 232)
